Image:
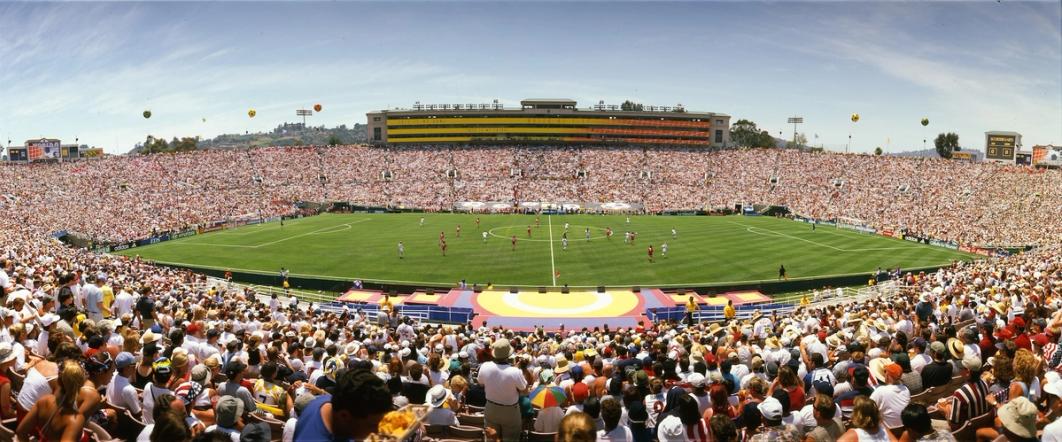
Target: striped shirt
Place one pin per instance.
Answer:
(968, 402)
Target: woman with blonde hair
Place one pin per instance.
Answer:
(1026, 371)
(866, 423)
(56, 416)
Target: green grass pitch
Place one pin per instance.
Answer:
(706, 250)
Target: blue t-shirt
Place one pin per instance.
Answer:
(310, 427)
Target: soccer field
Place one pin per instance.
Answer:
(705, 250)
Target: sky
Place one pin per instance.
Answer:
(88, 70)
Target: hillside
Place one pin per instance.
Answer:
(286, 134)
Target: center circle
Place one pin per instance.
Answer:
(523, 229)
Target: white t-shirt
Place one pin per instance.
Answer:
(121, 393)
(502, 383)
(891, 400)
(150, 392)
(619, 434)
(1053, 432)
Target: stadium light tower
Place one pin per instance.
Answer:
(795, 121)
(303, 113)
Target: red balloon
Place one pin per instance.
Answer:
(317, 107)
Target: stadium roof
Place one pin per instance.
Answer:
(529, 101)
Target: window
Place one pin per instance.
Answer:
(718, 121)
(376, 134)
(375, 118)
(718, 135)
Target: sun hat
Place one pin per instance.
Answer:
(546, 376)
(877, 368)
(7, 354)
(150, 336)
(1019, 416)
(501, 349)
(671, 428)
(48, 319)
(696, 380)
(956, 348)
(562, 366)
(1053, 383)
(437, 396)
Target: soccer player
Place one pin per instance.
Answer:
(564, 243)
(422, 221)
(565, 235)
(442, 245)
(608, 232)
(633, 236)
(442, 236)
(565, 227)
(484, 236)
(663, 250)
(781, 272)
(514, 243)
(477, 223)
(628, 220)
(674, 233)
(528, 231)
(401, 250)
(650, 253)
(586, 233)
(538, 222)
(813, 223)
(458, 230)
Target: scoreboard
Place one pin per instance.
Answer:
(43, 149)
(1002, 146)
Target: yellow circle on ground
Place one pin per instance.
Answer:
(577, 304)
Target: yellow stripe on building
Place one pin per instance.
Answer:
(392, 122)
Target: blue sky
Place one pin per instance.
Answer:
(88, 70)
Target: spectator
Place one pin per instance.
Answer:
(353, 411)
(504, 384)
(866, 423)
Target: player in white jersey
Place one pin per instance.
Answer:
(586, 233)
(564, 243)
(674, 233)
(663, 250)
(422, 221)
(484, 236)
(401, 250)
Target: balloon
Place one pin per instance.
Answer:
(855, 118)
(925, 121)
(147, 114)
(204, 120)
(317, 107)
(251, 113)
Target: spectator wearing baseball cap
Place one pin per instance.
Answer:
(891, 395)
(860, 387)
(970, 400)
(161, 371)
(229, 411)
(938, 372)
(773, 429)
(235, 371)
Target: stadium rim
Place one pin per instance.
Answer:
(194, 267)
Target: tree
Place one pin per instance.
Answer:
(744, 133)
(946, 143)
(333, 140)
(629, 105)
(801, 142)
(878, 151)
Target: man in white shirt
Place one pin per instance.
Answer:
(123, 303)
(1053, 389)
(120, 392)
(892, 396)
(93, 299)
(502, 384)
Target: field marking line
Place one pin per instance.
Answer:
(310, 233)
(868, 249)
(552, 264)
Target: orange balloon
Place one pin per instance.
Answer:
(317, 107)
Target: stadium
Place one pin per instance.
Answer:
(584, 269)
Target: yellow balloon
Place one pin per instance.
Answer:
(251, 113)
(855, 118)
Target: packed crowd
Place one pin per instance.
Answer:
(102, 343)
(980, 204)
(99, 344)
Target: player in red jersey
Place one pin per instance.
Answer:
(514, 243)
(528, 231)
(458, 230)
(442, 236)
(477, 223)
(650, 253)
(442, 245)
(608, 232)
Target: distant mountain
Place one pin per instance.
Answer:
(286, 134)
(932, 153)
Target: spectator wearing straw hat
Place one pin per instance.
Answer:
(503, 384)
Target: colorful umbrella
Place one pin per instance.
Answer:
(547, 396)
